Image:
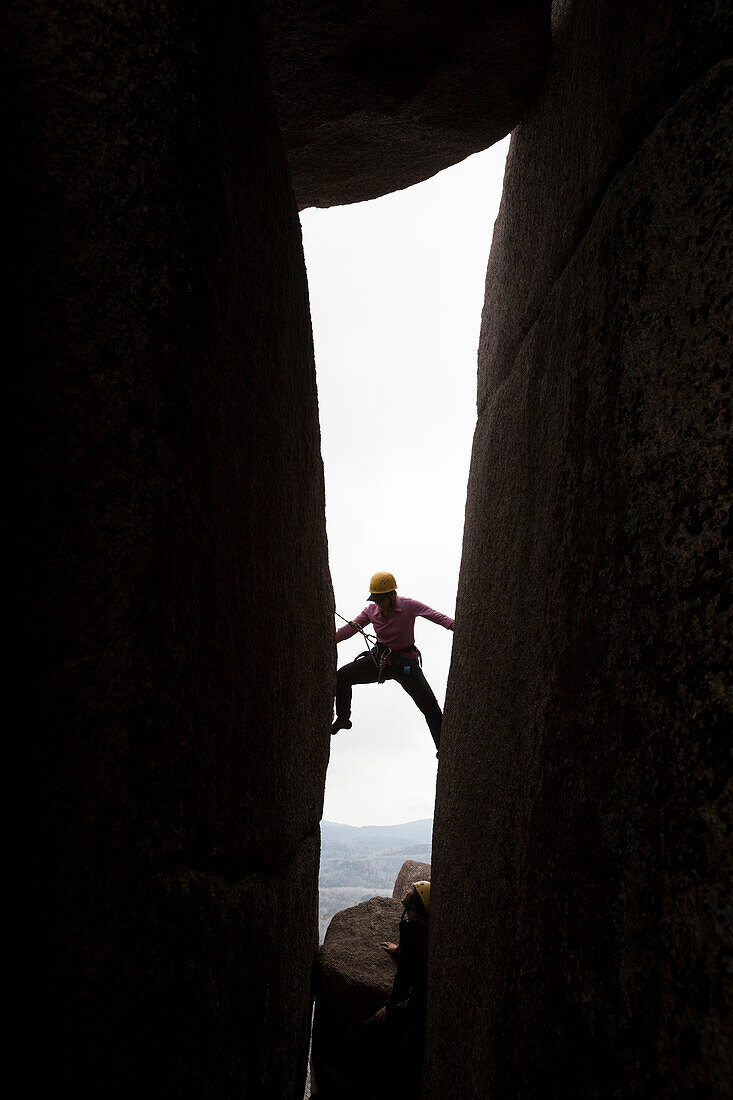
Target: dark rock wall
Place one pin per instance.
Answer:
(174, 597)
(584, 780)
(375, 97)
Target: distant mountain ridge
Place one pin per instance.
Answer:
(407, 833)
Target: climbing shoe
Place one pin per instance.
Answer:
(340, 724)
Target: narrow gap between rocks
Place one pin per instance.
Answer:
(396, 288)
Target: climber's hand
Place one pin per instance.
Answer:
(381, 1015)
(390, 948)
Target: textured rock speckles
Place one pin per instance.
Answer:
(410, 872)
(170, 474)
(585, 761)
(617, 69)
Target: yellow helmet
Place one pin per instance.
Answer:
(423, 890)
(380, 584)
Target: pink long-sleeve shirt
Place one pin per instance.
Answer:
(398, 630)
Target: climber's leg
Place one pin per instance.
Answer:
(361, 671)
(421, 693)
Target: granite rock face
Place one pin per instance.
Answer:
(352, 980)
(375, 97)
(584, 766)
(169, 478)
(617, 68)
(170, 481)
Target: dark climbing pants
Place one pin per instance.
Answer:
(364, 671)
(389, 1058)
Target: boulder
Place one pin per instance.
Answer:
(375, 97)
(410, 872)
(353, 979)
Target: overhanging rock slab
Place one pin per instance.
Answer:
(373, 98)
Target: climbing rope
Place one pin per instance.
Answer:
(370, 641)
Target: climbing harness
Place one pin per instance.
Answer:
(397, 658)
(382, 655)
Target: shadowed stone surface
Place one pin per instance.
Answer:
(170, 479)
(616, 69)
(168, 469)
(585, 765)
(375, 97)
(353, 979)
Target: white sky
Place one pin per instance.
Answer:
(396, 289)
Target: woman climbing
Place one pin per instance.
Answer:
(394, 657)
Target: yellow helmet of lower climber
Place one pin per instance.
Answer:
(423, 890)
(381, 583)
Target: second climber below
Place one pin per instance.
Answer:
(394, 657)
